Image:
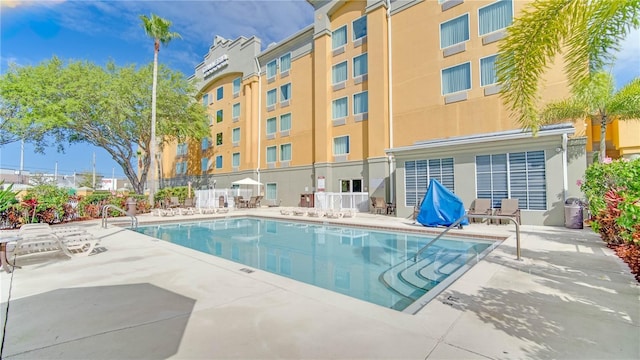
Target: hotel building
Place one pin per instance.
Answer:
(379, 97)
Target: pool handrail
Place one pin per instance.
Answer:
(105, 214)
(475, 216)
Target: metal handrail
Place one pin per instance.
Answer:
(105, 213)
(468, 216)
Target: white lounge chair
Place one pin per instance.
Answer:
(41, 238)
(334, 214)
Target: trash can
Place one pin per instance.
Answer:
(573, 218)
(131, 206)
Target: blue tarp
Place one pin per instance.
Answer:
(440, 207)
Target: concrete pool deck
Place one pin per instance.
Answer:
(570, 297)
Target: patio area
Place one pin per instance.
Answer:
(137, 297)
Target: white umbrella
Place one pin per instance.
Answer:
(247, 181)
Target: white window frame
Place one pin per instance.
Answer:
(460, 42)
(363, 37)
(458, 91)
(353, 66)
(281, 152)
(283, 101)
(218, 91)
(416, 179)
(346, 38)
(266, 154)
(285, 132)
(284, 72)
(235, 131)
(333, 148)
(239, 80)
(271, 134)
(234, 156)
(271, 106)
(275, 71)
(496, 30)
(480, 71)
(333, 116)
(346, 74)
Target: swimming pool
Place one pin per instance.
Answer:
(370, 265)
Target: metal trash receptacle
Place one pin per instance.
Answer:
(573, 218)
(131, 206)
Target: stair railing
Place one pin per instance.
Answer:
(105, 215)
(468, 216)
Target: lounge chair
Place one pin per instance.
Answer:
(222, 210)
(299, 212)
(285, 211)
(348, 213)
(175, 202)
(252, 202)
(480, 207)
(509, 207)
(315, 213)
(41, 238)
(334, 214)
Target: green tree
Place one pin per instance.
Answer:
(158, 29)
(107, 107)
(85, 179)
(586, 33)
(597, 100)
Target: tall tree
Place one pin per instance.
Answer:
(597, 100)
(587, 33)
(158, 29)
(107, 107)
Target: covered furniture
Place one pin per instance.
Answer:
(441, 207)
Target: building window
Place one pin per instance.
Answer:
(235, 111)
(219, 162)
(351, 185)
(285, 92)
(271, 192)
(219, 93)
(418, 173)
(271, 126)
(456, 78)
(205, 100)
(219, 115)
(219, 139)
(360, 103)
(181, 149)
(496, 16)
(181, 168)
(235, 160)
(360, 65)
(236, 86)
(285, 63)
(205, 143)
(204, 164)
(454, 31)
(285, 152)
(210, 119)
(341, 145)
(339, 73)
(360, 28)
(488, 70)
(272, 68)
(235, 135)
(339, 37)
(272, 97)
(520, 176)
(271, 154)
(285, 122)
(340, 108)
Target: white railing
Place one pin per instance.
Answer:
(342, 200)
(211, 198)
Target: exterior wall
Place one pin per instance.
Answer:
(423, 124)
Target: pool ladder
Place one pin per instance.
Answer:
(105, 216)
(457, 223)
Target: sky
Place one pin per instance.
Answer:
(100, 31)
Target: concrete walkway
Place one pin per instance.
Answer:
(141, 298)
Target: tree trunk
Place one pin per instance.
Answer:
(152, 140)
(603, 134)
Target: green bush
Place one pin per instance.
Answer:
(180, 191)
(47, 204)
(612, 189)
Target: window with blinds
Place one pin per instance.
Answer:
(419, 172)
(519, 176)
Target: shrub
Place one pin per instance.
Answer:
(612, 190)
(47, 204)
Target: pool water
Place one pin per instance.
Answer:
(370, 265)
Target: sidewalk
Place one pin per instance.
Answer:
(569, 298)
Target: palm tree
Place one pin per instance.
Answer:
(158, 29)
(597, 100)
(586, 32)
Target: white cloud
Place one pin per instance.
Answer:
(627, 65)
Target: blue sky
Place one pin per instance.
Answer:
(99, 31)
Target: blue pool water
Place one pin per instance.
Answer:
(371, 265)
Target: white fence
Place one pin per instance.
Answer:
(211, 198)
(342, 200)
